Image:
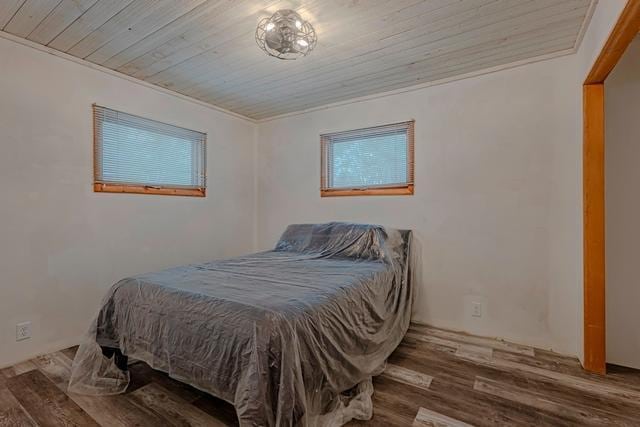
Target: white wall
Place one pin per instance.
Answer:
(497, 210)
(498, 204)
(61, 245)
(622, 157)
(484, 212)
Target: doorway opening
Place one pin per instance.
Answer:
(620, 38)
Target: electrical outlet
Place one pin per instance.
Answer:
(476, 309)
(23, 331)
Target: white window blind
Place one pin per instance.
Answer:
(131, 150)
(377, 157)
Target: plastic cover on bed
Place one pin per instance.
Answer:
(290, 336)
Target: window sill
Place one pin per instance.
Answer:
(393, 191)
(141, 189)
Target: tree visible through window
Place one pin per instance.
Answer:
(376, 160)
(138, 155)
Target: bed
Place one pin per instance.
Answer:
(290, 336)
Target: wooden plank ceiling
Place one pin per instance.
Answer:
(205, 49)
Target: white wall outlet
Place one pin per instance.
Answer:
(23, 331)
(476, 309)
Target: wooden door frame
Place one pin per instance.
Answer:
(623, 33)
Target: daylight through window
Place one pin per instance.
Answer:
(138, 155)
(370, 161)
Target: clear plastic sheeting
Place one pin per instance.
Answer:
(290, 336)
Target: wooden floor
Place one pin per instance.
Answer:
(435, 378)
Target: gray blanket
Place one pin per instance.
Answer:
(282, 335)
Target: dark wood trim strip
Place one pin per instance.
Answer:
(394, 191)
(140, 189)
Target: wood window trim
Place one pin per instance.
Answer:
(400, 190)
(99, 187)
(594, 286)
(405, 190)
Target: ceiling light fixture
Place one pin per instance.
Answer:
(285, 35)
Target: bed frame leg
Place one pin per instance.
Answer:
(120, 359)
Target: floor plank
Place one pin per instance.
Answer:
(17, 369)
(217, 408)
(142, 374)
(45, 402)
(116, 411)
(451, 370)
(11, 411)
(628, 377)
(120, 411)
(580, 414)
(464, 338)
(56, 367)
(434, 378)
(385, 414)
(613, 391)
(407, 376)
(172, 407)
(463, 404)
(427, 418)
(70, 352)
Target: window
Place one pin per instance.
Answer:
(137, 155)
(371, 161)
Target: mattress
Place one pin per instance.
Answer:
(290, 336)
